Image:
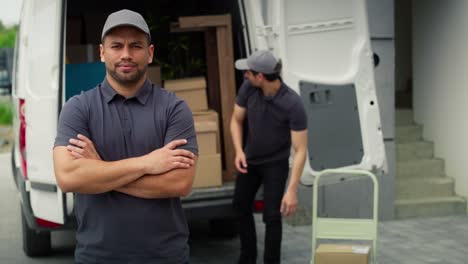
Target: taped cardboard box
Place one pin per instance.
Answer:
(207, 133)
(209, 116)
(192, 90)
(342, 254)
(208, 172)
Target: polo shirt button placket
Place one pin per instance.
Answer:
(126, 117)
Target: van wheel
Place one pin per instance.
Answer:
(225, 227)
(35, 243)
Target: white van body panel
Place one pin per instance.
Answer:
(325, 42)
(39, 84)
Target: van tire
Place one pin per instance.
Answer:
(224, 227)
(35, 243)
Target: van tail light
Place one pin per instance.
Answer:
(22, 137)
(259, 205)
(45, 223)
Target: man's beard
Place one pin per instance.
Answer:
(127, 79)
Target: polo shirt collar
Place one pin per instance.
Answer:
(142, 95)
(278, 93)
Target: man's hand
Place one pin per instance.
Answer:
(241, 162)
(82, 147)
(168, 158)
(289, 203)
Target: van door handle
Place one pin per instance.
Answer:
(320, 97)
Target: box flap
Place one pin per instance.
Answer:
(341, 248)
(206, 126)
(185, 84)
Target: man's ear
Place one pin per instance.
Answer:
(150, 53)
(261, 77)
(101, 52)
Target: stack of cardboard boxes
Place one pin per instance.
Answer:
(193, 91)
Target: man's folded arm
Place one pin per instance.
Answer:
(92, 176)
(174, 183)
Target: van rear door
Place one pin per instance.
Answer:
(41, 81)
(325, 49)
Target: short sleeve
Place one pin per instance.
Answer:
(297, 116)
(180, 126)
(72, 121)
(243, 94)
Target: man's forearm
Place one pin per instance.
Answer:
(175, 183)
(236, 133)
(296, 170)
(94, 176)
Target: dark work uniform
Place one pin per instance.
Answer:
(114, 227)
(268, 143)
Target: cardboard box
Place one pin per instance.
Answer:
(154, 74)
(210, 116)
(207, 133)
(342, 254)
(192, 90)
(208, 172)
(76, 54)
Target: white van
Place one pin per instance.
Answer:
(327, 59)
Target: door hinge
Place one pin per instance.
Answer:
(267, 31)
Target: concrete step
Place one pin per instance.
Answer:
(404, 117)
(429, 207)
(409, 133)
(423, 168)
(414, 150)
(424, 188)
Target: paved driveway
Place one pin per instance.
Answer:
(437, 240)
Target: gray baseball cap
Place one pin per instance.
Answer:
(260, 61)
(125, 17)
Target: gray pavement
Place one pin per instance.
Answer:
(441, 240)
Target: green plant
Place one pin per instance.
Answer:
(6, 114)
(7, 37)
(179, 55)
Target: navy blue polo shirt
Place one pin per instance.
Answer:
(114, 227)
(270, 120)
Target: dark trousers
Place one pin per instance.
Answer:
(273, 176)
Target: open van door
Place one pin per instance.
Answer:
(38, 78)
(325, 49)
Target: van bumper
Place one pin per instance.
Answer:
(70, 222)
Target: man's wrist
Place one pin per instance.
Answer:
(293, 188)
(141, 165)
(238, 150)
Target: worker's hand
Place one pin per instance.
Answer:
(168, 158)
(241, 162)
(289, 203)
(82, 147)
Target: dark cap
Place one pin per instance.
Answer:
(260, 61)
(125, 17)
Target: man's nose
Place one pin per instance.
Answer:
(126, 53)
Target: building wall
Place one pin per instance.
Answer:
(440, 71)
